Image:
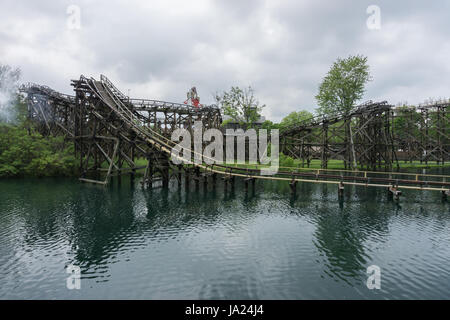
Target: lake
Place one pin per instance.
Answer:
(134, 243)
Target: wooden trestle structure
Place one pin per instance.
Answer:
(109, 127)
(111, 130)
(373, 136)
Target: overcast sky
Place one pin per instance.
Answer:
(159, 49)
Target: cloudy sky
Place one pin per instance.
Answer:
(159, 49)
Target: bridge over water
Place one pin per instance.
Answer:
(110, 127)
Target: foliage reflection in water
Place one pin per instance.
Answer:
(217, 243)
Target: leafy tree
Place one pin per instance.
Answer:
(269, 125)
(25, 154)
(23, 151)
(295, 118)
(240, 105)
(343, 85)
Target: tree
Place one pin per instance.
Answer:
(240, 105)
(269, 125)
(9, 78)
(296, 118)
(29, 154)
(343, 85)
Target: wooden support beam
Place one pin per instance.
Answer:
(249, 179)
(341, 189)
(394, 192)
(293, 186)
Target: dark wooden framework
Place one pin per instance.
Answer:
(101, 134)
(111, 130)
(373, 136)
(361, 138)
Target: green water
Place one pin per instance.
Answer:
(217, 244)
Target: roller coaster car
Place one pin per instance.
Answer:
(193, 98)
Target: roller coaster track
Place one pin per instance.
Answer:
(98, 104)
(373, 135)
(320, 120)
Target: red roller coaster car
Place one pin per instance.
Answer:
(193, 98)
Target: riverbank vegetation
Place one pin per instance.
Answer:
(26, 153)
(23, 151)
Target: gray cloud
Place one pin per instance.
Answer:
(282, 48)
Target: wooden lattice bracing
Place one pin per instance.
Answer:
(111, 131)
(423, 133)
(105, 144)
(361, 138)
(374, 136)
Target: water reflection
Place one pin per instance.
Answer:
(218, 241)
(341, 235)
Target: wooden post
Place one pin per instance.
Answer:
(197, 177)
(205, 180)
(341, 189)
(179, 168)
(394, 192)
(293, 185)
(186, 178)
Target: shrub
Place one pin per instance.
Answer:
(24, 153)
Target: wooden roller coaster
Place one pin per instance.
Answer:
(110, 128)
(374, 136)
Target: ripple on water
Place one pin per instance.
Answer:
(134, 243)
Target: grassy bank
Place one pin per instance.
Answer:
(339, 164)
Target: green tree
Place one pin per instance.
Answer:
(25, 154)
(343, 85)
(295, 119)
(269, 125)
(240, 105)
(23, 151)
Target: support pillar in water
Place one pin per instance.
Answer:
(197, 176)
(394, 192)
(293, 185)
(205, 180)
(165, 177)
(341, 189)
(180, 168)
(246, 181)
(186, 178)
